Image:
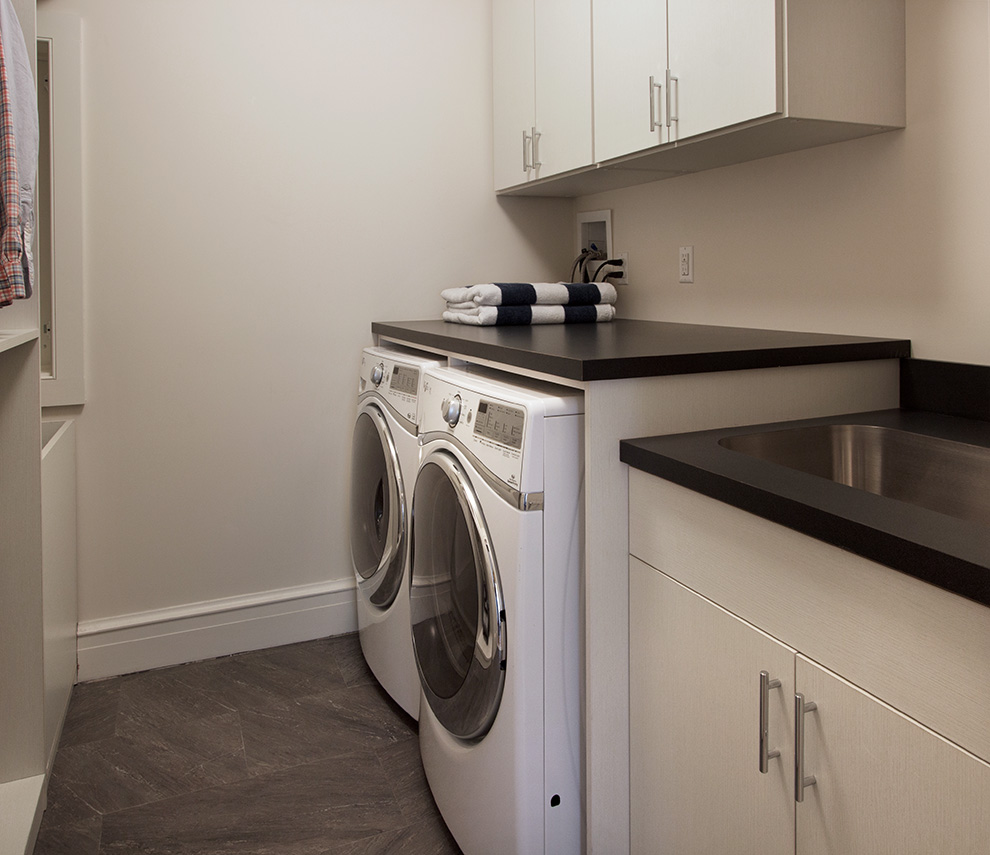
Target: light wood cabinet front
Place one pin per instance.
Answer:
(884, 783)
(878, 781)
(695, 779)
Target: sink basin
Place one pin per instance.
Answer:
(952, 478)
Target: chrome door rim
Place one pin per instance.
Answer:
(381, 587)
(470, 712)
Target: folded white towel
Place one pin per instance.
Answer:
(531, 294)
(488, 316)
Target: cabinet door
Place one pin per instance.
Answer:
(630, 47)
(563, 85)
(695, 781)
(726, 56)
(513, 88)
(884, 783)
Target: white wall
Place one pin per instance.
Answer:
(262, 180)
(884, 236)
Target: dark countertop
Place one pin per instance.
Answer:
(629, 348)
(951, 553)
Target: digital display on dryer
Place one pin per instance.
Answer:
(500, 423)
(404, 379)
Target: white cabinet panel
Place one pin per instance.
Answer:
(563, 85)
(58, 569)
(724, 62)
(514, 87)
(630, 47)
(541, 62)
(726, 58)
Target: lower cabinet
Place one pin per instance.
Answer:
(695, 781)
(725, 719)
(883, 782)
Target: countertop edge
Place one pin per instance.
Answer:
(616, 367)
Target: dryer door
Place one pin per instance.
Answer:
(458, 613)
(378, 509)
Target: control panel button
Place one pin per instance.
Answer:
(378, 374)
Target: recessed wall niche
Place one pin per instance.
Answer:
(58, 209)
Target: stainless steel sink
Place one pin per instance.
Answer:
(949, 477)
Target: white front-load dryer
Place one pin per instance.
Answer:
(496, 568)
(384, 459)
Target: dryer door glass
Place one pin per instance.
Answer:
(378, 510)
(458, 617)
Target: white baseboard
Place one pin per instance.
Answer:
(154, 639)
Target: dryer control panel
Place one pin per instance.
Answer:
(395, 380)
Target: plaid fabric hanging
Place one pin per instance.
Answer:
(12, 285)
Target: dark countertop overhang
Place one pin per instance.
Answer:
(630, 348)
(951, 553)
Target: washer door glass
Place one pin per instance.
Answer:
(458, 616)
(378, 509)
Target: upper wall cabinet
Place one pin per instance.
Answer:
(686, 85)
(630, 103)
(724, 63)
(685, 67)
(542, 88)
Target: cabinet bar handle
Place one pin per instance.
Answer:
(800, 780)
(766, 755)
(537, 163)
(670, 116)
(526, 164)
(654, 124)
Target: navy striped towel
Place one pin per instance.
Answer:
(530, 294)
(500, 316)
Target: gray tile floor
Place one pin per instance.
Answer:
(294, 750)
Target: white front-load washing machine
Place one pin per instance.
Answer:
(384, 459)
(495, 609)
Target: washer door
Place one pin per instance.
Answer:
(378, 509)
(458, 616)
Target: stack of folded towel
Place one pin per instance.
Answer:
(515, 303)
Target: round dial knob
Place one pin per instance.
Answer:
(452, 410)
(378, 374)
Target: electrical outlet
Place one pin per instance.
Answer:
(612, 268)
(602, 270)
(686, 264)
